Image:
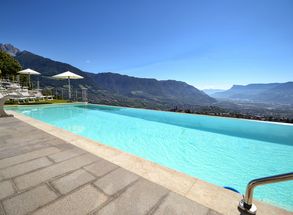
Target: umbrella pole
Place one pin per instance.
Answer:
(29, 80)
(69, 90)
(38, 85)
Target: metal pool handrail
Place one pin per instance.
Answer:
(246, 203)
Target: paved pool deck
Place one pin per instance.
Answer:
(57, 172)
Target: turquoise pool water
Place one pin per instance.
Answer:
(222, 151)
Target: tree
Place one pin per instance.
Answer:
(8, 65)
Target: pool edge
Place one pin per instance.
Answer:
(192, 114)
(209, 195)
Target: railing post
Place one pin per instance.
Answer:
(246, 204)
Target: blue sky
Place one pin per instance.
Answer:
(207, 43)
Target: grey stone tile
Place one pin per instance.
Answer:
(175, 204)
(27, 156)
(31, 129)
(22, 168)
(34, 136)
(8, 120)
(60, 144)
(1, 210)
(79, 202)
(17, 142)
(2, 141)
(212, 212)
(115, 181)
(64, 155)
(29, 201)
(101, 168)
(137, 199)
(42, 175)
(6, 189)
(72, 181)
(3, 136)
(9, 152)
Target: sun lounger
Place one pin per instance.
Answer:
(25, 96)
(38, 94)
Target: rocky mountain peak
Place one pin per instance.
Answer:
(10, 49)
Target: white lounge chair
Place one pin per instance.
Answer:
(25, 96)
(38, 94)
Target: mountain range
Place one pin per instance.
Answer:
(113, 88)
(273, 93)
(117, 89)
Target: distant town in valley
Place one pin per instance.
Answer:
(245, 110)
(267, 102)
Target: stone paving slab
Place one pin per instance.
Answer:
(72, 181)
(6, 189)
(65, 155)
(28, 156)
(116, 181)
(22, 168)
(29, 201)
(37, 177)
(101, 168)
(10, 152)
(2, 210)
(79, 202)
(137, 199)
(175, 204)
(24, 138)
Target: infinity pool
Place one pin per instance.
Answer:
(222, 151)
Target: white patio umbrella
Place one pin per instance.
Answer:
(29, 72)
(67, 75)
